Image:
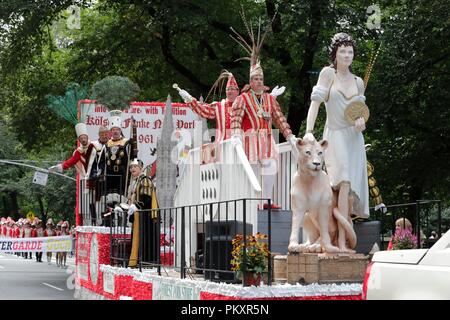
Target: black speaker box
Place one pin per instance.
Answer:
(218, 248)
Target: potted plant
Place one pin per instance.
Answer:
(255, 260)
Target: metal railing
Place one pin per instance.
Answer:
(95, 199)
(193, 241)
(424, 215)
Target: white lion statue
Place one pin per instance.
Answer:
(314, 205)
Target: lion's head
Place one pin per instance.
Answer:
(311, 154)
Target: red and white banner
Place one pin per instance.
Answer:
(149, 117)
(44, 244)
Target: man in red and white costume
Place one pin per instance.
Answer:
(82, 157)
(253, 113)
(49, 232)
(218, 110)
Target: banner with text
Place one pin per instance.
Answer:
(44, 244)
(149, 117)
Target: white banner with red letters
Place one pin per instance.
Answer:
(149, 117)
(44, 244)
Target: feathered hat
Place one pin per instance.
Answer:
(254, 49)
(218, 84)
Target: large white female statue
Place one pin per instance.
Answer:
(345, 157)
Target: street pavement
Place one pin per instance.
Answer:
(26, 279)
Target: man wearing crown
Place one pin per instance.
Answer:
(82, 157)
(253, 114)
(146, 222)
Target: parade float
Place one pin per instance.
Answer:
(204, 186)
(218, 197)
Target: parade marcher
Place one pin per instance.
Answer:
(7, 229)
(49, 232)
(27, 234)
(16, 233)
(218, 110)
(2, 227)
(82, 157)
(58, 233)
(142, 198)
(254, 111)
(38, 232)
(63, 255)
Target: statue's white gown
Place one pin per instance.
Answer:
(345, 157)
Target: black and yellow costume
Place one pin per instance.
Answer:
(146, 223)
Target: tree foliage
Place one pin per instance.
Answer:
(158, 43)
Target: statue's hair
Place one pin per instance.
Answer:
(338, 40)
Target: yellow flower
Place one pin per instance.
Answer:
(255, 251)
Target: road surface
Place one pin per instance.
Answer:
(26, 279)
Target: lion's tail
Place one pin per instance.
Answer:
(351, 235)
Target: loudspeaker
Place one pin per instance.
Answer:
(218, 248)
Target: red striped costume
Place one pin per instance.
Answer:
(257, 132)
(220, 111)
(49, 232)
(82, 159)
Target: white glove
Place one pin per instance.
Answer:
(309, 136)
(118, 211)
(237, 139)
(293, 141)
(185, 96)
(360, 124)
(277, 91)
(381, 207)
(57, 168)
(132, 209)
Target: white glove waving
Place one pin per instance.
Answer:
(57, 168)
(277, 91)
(185, 96)
(360, 124)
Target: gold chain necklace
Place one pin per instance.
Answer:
(259, 105)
